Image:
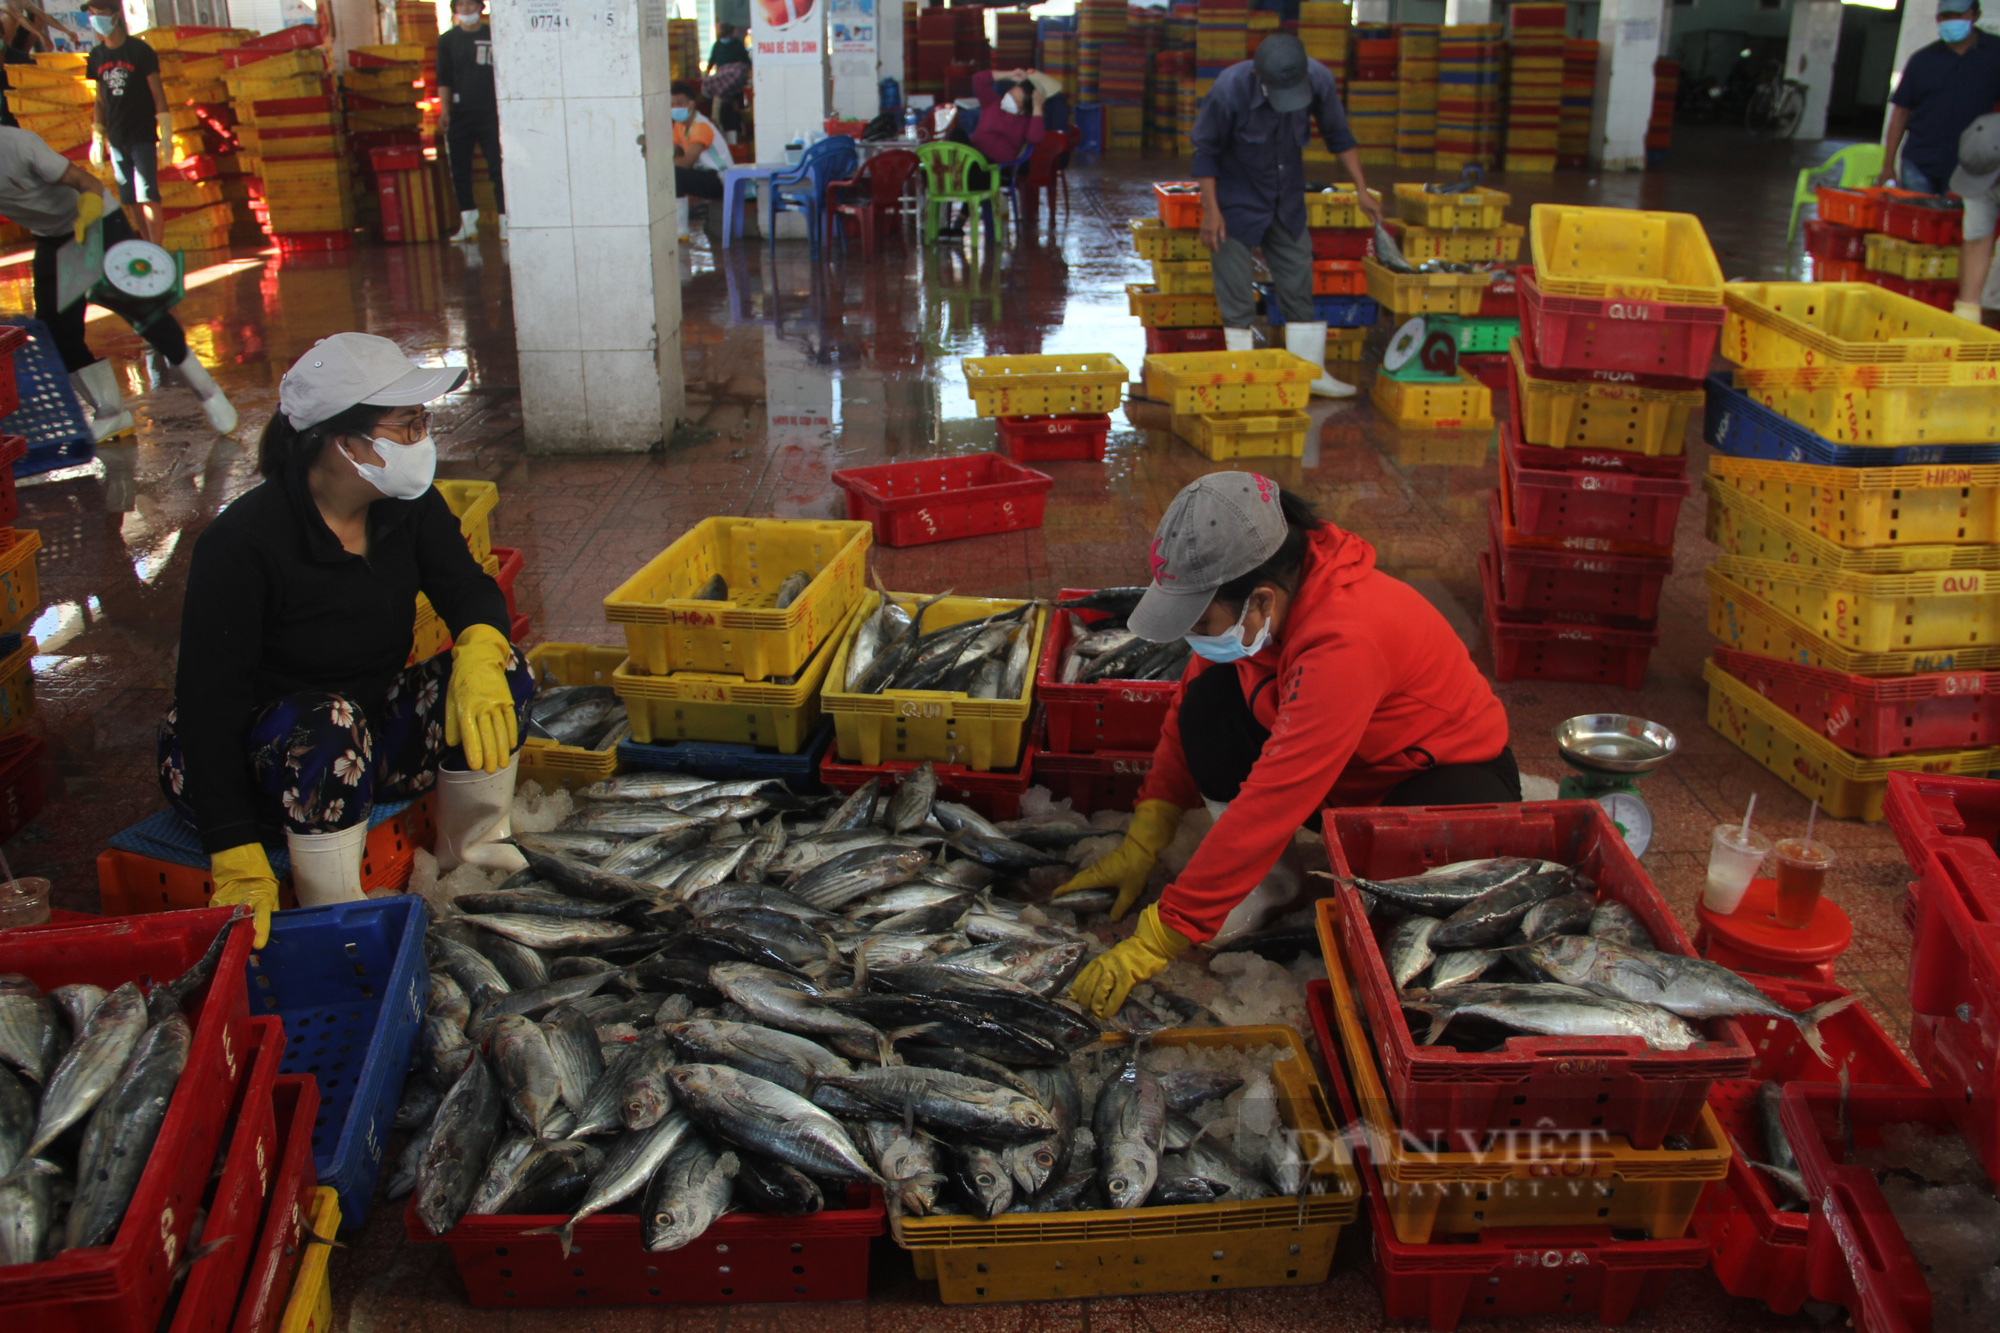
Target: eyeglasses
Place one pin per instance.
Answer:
(415, 428)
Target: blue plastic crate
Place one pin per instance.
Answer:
(350, 982)
(49, 416)
(165, 836)
(1742, 427)
(717, 759)
(1339, 312)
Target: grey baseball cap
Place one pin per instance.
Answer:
(348, 369)
(1281, 68)
(1220, 527)
(1978, 158)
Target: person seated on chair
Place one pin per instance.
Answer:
(699, 155)
(294, 709)
(1943, 87)
(1010, 121)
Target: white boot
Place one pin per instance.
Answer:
(503, 226)
(468, 225)
(686, 232)
(326, 867)
(1238, 340)
(1309, 341)
(221, 415)
(97, 385)
(475, 811)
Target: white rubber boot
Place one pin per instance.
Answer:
(687, 218)
(97, 385)
(1238, 340)
(468, 225)
(503, 226)
(475, 811)
(326, 867)
(221, 414)
(1309, 341)
(1272, 898)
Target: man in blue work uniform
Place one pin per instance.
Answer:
(1249, 156)
(1944, 87)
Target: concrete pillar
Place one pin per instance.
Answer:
(889, 44)
(1371, 11)
(788, 70)
(853, 37)
(1809, 58)
(1628, 42)
(355, 23)
(1917, 30)
(586, 134)
(1468, 11)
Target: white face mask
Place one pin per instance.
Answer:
(407, 472)
(469, 21)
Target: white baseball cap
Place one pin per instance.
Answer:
(348, 369)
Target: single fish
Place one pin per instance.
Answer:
(715, 590)
(778, 1188)
(118, 1141)
(1555, 1010)
(1119, 603)
(627, 1167)
(1185, 1089)
(533, 902)
(1462, 965)
(850, 875)
(478, 980)
(1614, 921)
(1409, 948)
(1128, 1125)
(691, 1189)
(76, 1002)
(762, 1117)
(572, 1039)
(911, 803)
(603, 1106)
(547, 932)
(417, 1105)
(523, 967)
(446, 999)
(1777, 1147)
(27, 1027)
(789, 591)
(577, 846)
(17, 1118)
(857, 811)
(458, 1147)
(651, 786)
(775, 999)
(786, 1059)
(92, 1066)
(983, 1179)
(950, 1105)
(1442, 890)
(27, 1210)
(647, 1097)
(907, 1159)
(1494, 916)
(1565, 915)
(530, 1083)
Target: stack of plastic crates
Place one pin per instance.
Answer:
(52, 100)
(1540, 1176)
(1416, 95)
(1536, 41)
(1222, 38)
(1855, 489)
(1579, 99)
(1621, 312)
(1046, 409)
(1899, 240)
(1235, 404)
(289, 125)
(1660, 125)
(1372, 93)
(1178, 307)
(1471, 65)
(1323, 26)
(1465, 227)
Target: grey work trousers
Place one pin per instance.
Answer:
(1290, 259)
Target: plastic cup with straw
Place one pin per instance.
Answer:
(23, 902)
(1735, 854)
(1802, 867)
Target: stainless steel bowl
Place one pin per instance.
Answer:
(1614, 743)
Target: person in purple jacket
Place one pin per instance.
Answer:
(1010, 121)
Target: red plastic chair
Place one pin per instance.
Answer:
(1044, 172)
(880, 185)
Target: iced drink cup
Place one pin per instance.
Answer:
(1733, 860)
(1802, 867)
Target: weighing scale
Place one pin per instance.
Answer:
(1610, 752)
(134, 278)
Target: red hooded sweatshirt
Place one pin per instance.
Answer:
(1372, 686)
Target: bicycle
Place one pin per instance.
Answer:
(1777, 106)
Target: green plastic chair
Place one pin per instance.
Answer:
(948, 183)
(1858, 165)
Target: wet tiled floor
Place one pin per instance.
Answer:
(796, 369)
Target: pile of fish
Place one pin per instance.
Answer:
(1525, 945)
(86, 1076)
(678, 1011)
(587, 715)
(988, 658)
(1106, 650)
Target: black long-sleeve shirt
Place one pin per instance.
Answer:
(276, 606)
(465, 65)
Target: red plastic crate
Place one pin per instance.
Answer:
(995, 794)
(12, 337)
(1533, 579)
(1343, 242)
(1185, 340)
(741, 1258)
(1924, 809)
(1501, 298)
(1106, 780)
(1860, 209)
(1180, 206)
(20, 783)
(1575, 652)
(1646, 337)
(312, 242)
(275, 1262)
(1055, 439)
(122, 1287)
(1493, 369)
(943, 499)
(1083, 719)
(1339, 277)
(1904, 217)
(1938, 293)
(1838, 270)
(1579, 460)
(208, 1301)
(1955, 988)
(1618, 1085)
(1856, 1255)
(1614, 506)
(512, 562)
(1830, 240)
(1878, 717)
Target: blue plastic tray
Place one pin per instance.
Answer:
(715, 759)
(350, 982)
(49, 416)
(1339, 312)
(165, 836)
(1742, 427)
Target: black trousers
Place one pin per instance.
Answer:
(1222, 740)
(697, 183)
(66, 326)
(466, 132)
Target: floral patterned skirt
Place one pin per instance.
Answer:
(318, 763)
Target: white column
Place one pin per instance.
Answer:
(788, 70)
(1371, 11)
(1468, 11)
(889, 44)
(1917, 30)
(1809, 58)
(586, 134)
(355, 23)
(853, 38)
(1628, 41)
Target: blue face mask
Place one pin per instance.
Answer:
(683, 113)
(1953, 31)
(104, 23)
(1228, 646)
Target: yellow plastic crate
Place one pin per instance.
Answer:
(309, 1309)
(20, 581)
(1340, 206)
(1465, 404)
(1470, 210)
(1741, 525)
(1740, 619)
(473, 502)
(1154, 240)
(1921, 505)
(1613, 254)
(1502, 245)
(1845, 785)
(1166, 310)
(1182, 277)
(1907, 259)
(1266, 380)
(542, 759)
(705, 706)
(1015, 386)
(1938, 402)
(17, 686)
(1590, 414)
(940, 725)
(1777, 325)
(668, 629)
(1877, 613)
(1426, 293)
(1192, 1247)
(1345, 344)
(1224, 435)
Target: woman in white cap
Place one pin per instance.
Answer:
(1316, 680)
(293, 708)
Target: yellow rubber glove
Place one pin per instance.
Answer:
(1152, 828)
(243, 875)
(89, 208)
(479, 704)
(1108, 978)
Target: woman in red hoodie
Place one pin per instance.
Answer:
(1317, 680)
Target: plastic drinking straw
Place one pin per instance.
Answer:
(1744, 836)
(1811, 817)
